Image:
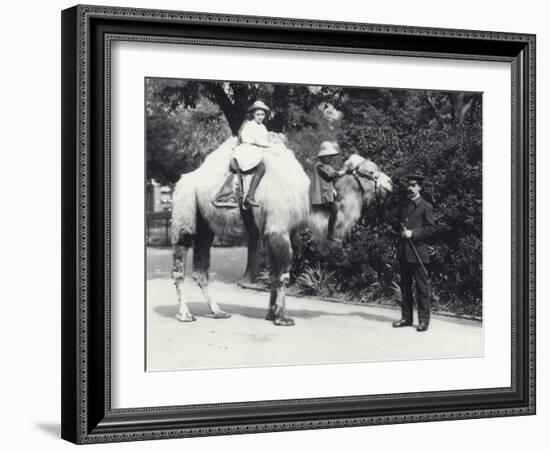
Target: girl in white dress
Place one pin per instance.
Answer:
(247, 157)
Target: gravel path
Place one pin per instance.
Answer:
(324, 332)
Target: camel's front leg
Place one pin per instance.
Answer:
(178, 275)
(201, 266)
(280, 257)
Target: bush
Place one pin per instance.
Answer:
(364, 268)
(358, 264)
(316, 280)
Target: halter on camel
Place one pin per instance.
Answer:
(372, 177)
(362, 168)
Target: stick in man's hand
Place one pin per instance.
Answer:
(415, 251)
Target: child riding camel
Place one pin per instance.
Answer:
(247, 157)
(322, 192)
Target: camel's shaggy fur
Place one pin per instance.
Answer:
(283, 195)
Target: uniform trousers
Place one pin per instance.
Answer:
(410, 272)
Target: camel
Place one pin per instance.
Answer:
(283, 195)
(367, 185)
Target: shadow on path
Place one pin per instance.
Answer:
(200, 309)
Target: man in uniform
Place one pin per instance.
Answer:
(416, 225)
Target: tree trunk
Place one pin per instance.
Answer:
(433, 108)
(461, 106)
(232, 113)
(254, 261)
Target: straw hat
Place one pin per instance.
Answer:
(327, 149)
(258, 104)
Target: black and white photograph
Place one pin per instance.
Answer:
(293, 224)
(275, 225)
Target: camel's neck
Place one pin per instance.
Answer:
(350, 204)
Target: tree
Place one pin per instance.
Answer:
(188, 119)
(291, 104)
(178, 138)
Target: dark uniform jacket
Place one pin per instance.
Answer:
(322, 188)
(418, 217)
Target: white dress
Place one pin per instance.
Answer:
(253, 138)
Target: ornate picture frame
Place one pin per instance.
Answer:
(87, 35)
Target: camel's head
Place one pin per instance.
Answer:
(374, 184)
(365, 184)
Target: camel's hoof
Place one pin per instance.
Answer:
(220, 315)
(270, 316)
(186, 317)
(284, 321)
